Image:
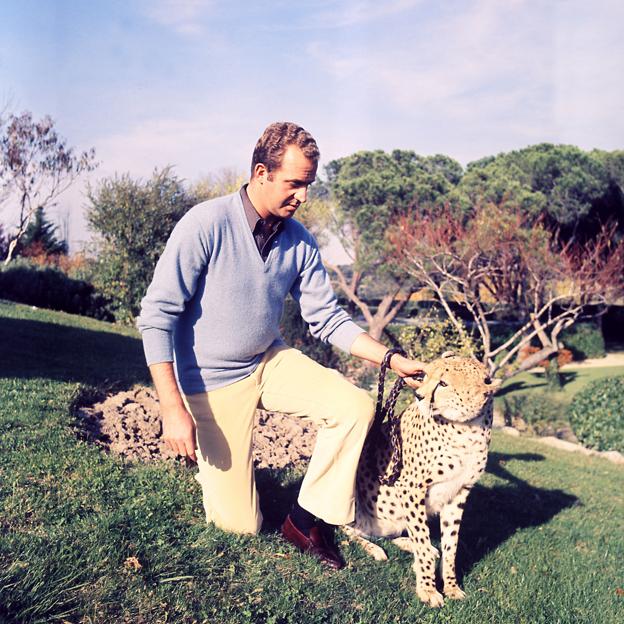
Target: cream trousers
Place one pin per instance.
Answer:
(290, 382)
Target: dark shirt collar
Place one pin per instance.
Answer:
(252, 215)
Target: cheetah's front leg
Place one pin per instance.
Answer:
(450, 520)
(424, 552)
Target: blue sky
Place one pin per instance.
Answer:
(192, 83)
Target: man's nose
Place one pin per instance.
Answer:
(301, 194)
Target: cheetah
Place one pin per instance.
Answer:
(445, 435)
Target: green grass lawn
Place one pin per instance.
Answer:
(573, 381)
(87, 537)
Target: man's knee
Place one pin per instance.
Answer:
(358, 407)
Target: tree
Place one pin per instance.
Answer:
(35, 167)
(571, 191)
(133, 220)
(40, 238)
(218, 184)
(501, 262)
(370, 189)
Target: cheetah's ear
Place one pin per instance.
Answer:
(448, 354)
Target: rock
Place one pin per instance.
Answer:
(566, 433)
(564, 445)
(510, 431)
(615, 456)
(518, 423)
(498, 421)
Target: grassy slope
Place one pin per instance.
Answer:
(542, 539)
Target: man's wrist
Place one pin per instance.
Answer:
(392, 355)
(171, 406)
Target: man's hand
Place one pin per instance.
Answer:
(178, 424)
(179, 431)
(367, 348)
(407, 369)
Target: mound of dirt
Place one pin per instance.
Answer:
(128, 423)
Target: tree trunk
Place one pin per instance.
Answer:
(376, 328)
(553, 374)
(12, 246)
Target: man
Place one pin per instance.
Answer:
(215, 302)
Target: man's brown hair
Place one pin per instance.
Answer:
(276, 138)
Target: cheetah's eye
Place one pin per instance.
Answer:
(443, 383)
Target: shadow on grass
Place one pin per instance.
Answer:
(37, 349)
(566, 378)
(493, 514)
(277, 495)
(515, 386)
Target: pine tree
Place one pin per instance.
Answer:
(41, 237)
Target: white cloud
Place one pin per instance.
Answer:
(492, 76)
(354, 12)
(460, 55)
(182, 16)
(192, 146)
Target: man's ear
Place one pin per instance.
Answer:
(260, 172)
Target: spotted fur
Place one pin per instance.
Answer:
(445, 435)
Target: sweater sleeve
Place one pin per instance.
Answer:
(175, 278)
(319, 306)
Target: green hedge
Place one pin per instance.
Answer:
(585, 340)
(534, 408)
(596, 414)
(49, 287)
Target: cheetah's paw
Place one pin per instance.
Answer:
(454, 593)
(431, 597)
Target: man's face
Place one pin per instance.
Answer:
(285, 189)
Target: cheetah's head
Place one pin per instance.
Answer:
(456, 388)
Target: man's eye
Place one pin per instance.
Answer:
(443, 383)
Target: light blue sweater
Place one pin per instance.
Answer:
(214, 305)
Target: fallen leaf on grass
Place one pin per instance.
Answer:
(132, 563)
(619, 591)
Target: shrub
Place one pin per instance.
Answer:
(534, 408)
(133, 220)
(585, 340)
(596, 414)
(431, 340)
(297, 334)
(48, 287)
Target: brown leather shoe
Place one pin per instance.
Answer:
(316, 545)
